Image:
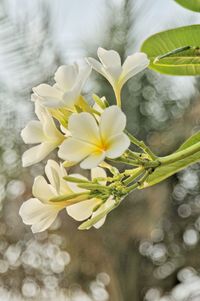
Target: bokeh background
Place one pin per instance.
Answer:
(149, 247)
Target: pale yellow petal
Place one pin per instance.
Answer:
(93, 160)
(49, 96)
(42, 190)
(109, 57)
(96, 65)
(33, 132)
(66, 76)
(37, 153)
(39, 215)
(98, 172)
(117, 146)
(108, 204)
(82, 210)
(55, 174)
(74, 150)
(134, 64)
(113, 122)
(83, 126)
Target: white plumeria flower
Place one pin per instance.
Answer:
(91, 143)
(116, 73)
(69, 83)
(40, 212)
(42, 132)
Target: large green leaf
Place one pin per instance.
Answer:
(190, 4)
(163, 172)
(186, 62)
(190, 141)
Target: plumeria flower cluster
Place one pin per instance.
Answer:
(91, 136)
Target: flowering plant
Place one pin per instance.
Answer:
(95, 137)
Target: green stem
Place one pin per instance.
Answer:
(92, 186)
(180, 155)
(140, 182)
(67, 197)
(141, 145)
(90, 222)
(118, 96)
(135, 175)
(74, 179)
(126, 161)
(133, 155)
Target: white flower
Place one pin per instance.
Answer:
(40, 212)
(92, 143)
(116, 73)
(69, 83)
(42, 132)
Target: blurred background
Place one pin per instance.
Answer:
(148, 248)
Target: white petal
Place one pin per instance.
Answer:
(113, 122)
(66, 76)
(83, 75)
(113, 74)
(37, 214)
(55, 174)
(96, 66)
(109, 58)
(33, 132)
(83, 126)
(49, 96)
(112, 64)
(40, 111)
(98, 172)
(37, 153)
(53, 165)
(70, 97)
(117, 146)
(34, 97)
(102, 70)
(74, 150)
(93, 160)
(100, 223)
(134, 64)
(109, 203)
(45, 90)
(48, 125)
(82, 210)
(50, 129)
(42, 190)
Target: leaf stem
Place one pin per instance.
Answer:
(180, 154)
(177, 50)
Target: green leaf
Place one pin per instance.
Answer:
(163, 172)
(190, 4)
(190, 141)
(186, 62)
